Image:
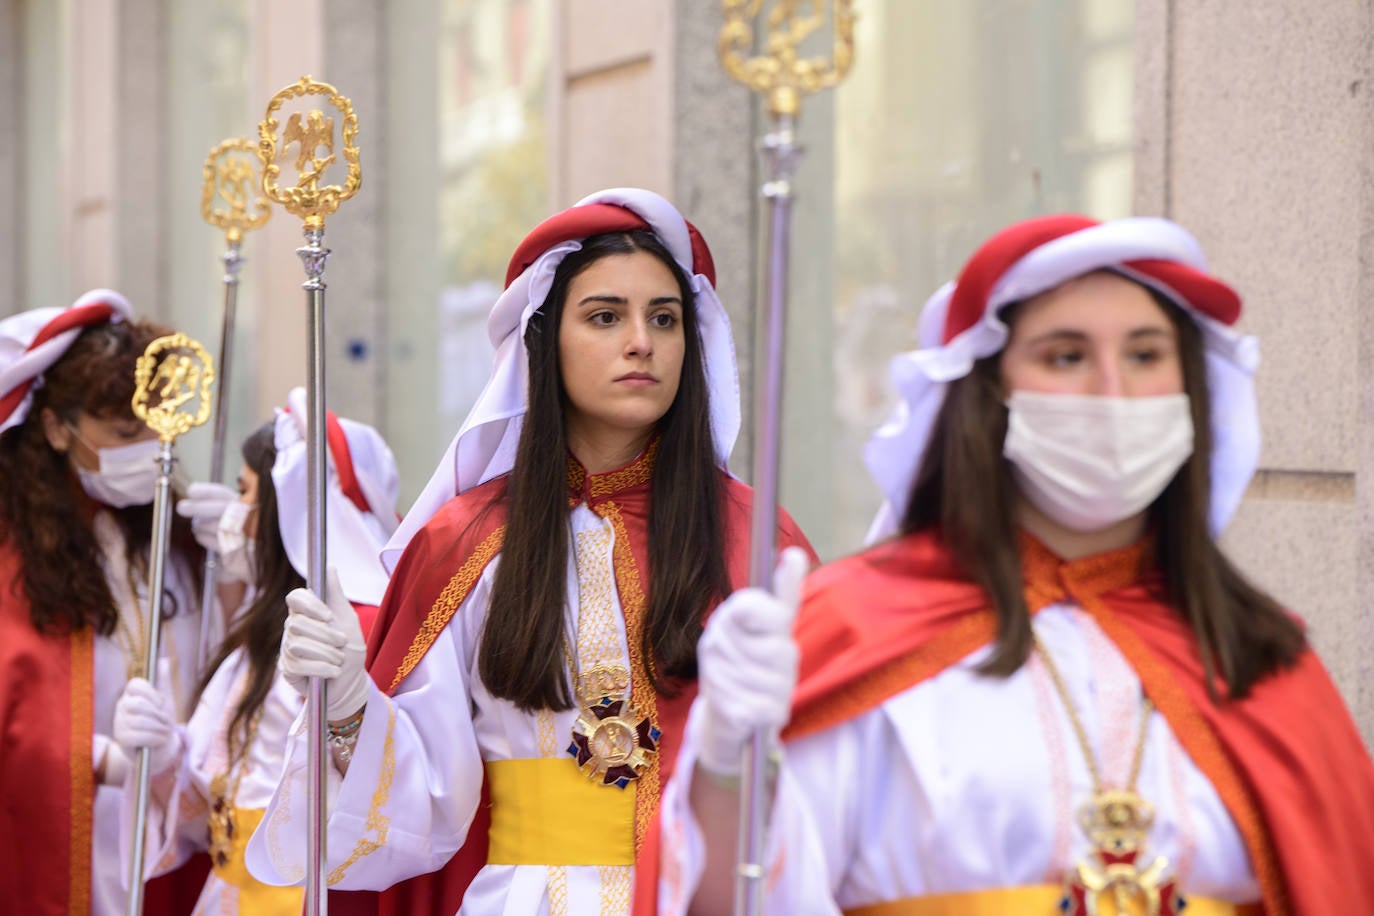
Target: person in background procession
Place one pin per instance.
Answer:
(77, 476)
(219, 771)
(537, 644)
(1050, 692)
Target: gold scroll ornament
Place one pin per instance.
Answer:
(172, 386)
(313, 133)
(781, 71)
(231, 180)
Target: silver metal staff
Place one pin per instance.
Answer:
(227, 201)
(178, 371)
(784, 77)
(312, 202)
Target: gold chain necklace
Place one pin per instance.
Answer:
(1116, 822)
(223, 795)
(135, 643)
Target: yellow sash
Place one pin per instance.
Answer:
(254, 896)
(1025, 901)
(546, 812)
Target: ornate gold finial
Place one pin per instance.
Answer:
(179, 371)
(231, 178)
(780, 71)
(308, 200)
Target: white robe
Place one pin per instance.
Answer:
(179, 808)
(416, 774)
(967, 782)
(180, 645)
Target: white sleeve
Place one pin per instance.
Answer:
(801, 868)
(386, 822)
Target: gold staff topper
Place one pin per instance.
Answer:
(314, 133)
(227, 198)
(172, 386)
(780, 71)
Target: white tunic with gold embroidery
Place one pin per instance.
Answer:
(416, 774)
(180, 801)
(115, 655)
(966, 782)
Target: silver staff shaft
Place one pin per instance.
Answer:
(781, 154)
(232, 263)
(313, 255)
(162, 527)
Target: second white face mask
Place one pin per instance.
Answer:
(236, 551)
(1088, 462)
(127, 475)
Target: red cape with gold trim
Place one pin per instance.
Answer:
(46, 772)
(434, 575)
(1286, 760)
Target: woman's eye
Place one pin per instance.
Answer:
(1147, 357)
(602, 318)
(1064, 358)
(664, 319)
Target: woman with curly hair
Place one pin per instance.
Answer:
(77, 475)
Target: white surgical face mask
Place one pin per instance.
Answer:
(235, 547)
(126, 475)
(1089, 462)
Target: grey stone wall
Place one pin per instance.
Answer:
(1253, 130)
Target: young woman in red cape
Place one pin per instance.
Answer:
(214, 776)
(537, 644)
(77, 476)
(1050, 692)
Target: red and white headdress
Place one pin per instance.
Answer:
(960, 324)
(360, 497)
(485, 445)
(32, 341)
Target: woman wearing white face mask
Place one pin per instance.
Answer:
(77, 476)
(221, 769)
(1050, 692)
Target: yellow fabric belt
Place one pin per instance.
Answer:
(254, 896)
(546, 812)
(1027, 901)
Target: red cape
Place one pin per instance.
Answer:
(438, 569)
(1287, 761)
(46, 772)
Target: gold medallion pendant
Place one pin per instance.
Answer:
(221, 820)
(611, 742)
(1112, 882)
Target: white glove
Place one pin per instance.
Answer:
(325, 640)
(203, 504)
(144, 717)
(747, 666)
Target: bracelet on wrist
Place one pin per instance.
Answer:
(348, 727)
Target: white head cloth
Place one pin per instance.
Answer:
(353, 537)
(24, 358)
(1136, 247)
(485, 445)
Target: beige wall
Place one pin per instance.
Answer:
(1252, 129)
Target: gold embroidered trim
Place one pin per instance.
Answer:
(615, 889)
(376, 822)
(82, 802)
(642, 694)
(446, 605)
(599, 486)
(558, 890)
(634, 474)
(598, 631)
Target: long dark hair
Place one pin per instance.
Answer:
(258, 629)
(964, 489)
(522, 653)
(44, 513)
